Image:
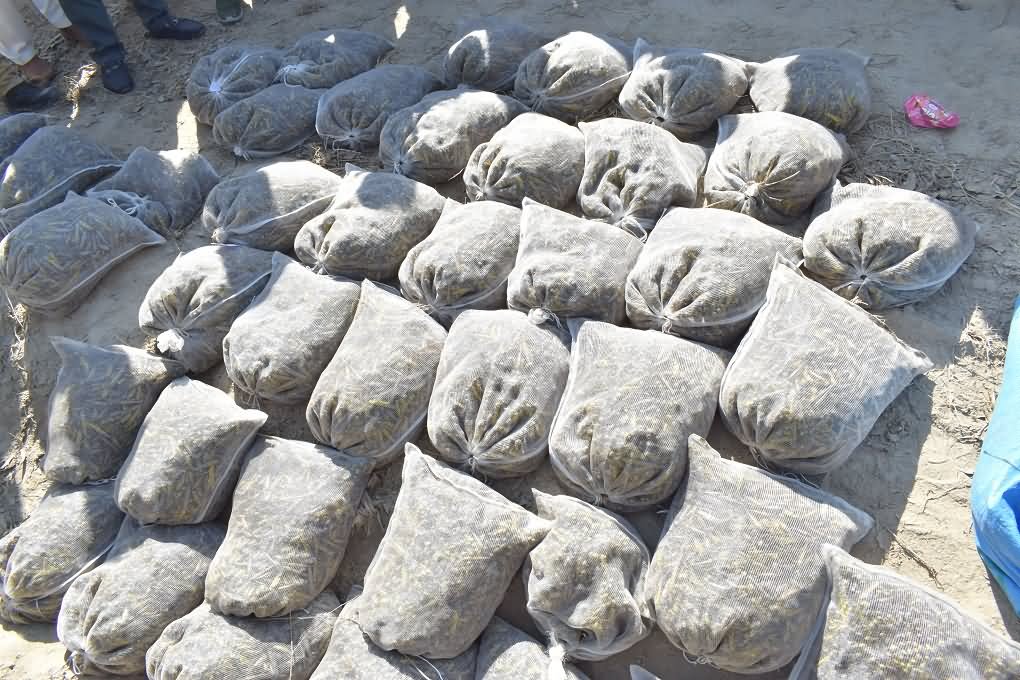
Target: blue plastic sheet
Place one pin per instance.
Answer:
(995, 489)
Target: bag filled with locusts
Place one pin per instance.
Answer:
(291, 516)
(324, 58)
(101, 397)
(211, 646)
(500, 379)
(488, 53)
(351, 114)
(568, 266)
(265, 208)
(508, 653)
(228, 75)
(771, 165)
(573, 77)
(433, 140)
(374, 219)
(812, 376)
(681, 90)
(52, 162)
(55, 258)
(535, 156)
(879, 624)
(152, 576)
(465, 261)
(633, 398)
(738, 578)
(190, 306)
(703, 272)
(373, 396)
(169, 185)
(18, 127)
(635, 172)
(278, 347)
(68, 534)
(885, 247)
(826, 85)
(431, 593)
(185, 460)
(271, 122)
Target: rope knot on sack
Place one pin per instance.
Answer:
(539, 316)
(752, 190)
(171, 340)
(557, 659)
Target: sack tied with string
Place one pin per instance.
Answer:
(488, 53)
(433, 140)
(68, 533)
(568, 266)
(884, 247)
(373, 396)
(431, 593)
(228, 75)
(633, 398)
(324, 58)
(499, 381)
(771, 165)
(573, 77)
(186, 457)
(18, 127)
(464, 263)
(278, 347)
(271, 122)
(535, 156)
(738, 579)
(508, 653)
(372, 222)
(291, 516)
(812, 376)
(190, 306)
(703, 272)
(152, 576)
(681, 90)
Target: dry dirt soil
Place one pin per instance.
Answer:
(912, 473)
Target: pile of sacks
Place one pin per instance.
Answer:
(498, 333)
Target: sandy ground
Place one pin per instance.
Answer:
(913, 471)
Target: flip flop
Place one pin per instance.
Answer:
(229, 11)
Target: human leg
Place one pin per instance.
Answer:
(53, 12)
(15, 36)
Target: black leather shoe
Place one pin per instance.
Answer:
(29, 97)
(117, 78)
(174, 28)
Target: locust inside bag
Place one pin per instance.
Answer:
(508, 653)
(488, 53)
(324, 58)
(228, 75)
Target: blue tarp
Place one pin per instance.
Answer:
(995, 489)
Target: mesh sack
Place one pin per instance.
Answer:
(500, 379)
(431, 593)
(534, 156)
(278, 347)
(18, 127)
(352, 113)
(682, 90)
(634, 172)
(572, 77)
(633, 397)
(884, 247)
(47, 165)
(152, 576)
(880, 624)
(508, 653)
(292, 514)
(266, 208)
(465, 261)
(375, 218)
(703, 272)
(374, 394)
(433, 140)
(68, 534)
(177, 181)
(737, 579)
(570, 267)
(190, 306)
(811, 377)
(100, 400)
(771, 165)
(228, 75)
(271, 122)
(826, 85)
(585, 580)
(55, 258)
(324, 58)
(488, 54)
(185, 460)
(211, 646)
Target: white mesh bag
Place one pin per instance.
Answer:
(271, 122)
(324, 58)
(228, 75)
(508, 653)
(488, 53)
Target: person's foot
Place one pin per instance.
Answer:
(229, 11)
(29, 97)
(117, 78)
(174, 28)
(38, 71)
(74, 36)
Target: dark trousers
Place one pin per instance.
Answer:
(91, 18)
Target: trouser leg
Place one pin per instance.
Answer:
(150, 11)
(53, 12)
(92, 20)
(15, 36)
